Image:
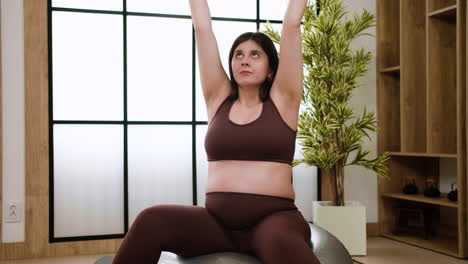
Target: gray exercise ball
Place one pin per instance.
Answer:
(327, 248)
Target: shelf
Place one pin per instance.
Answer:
(441, 87)
(413, 76)
(388, 41)
(421, 105)
(434, 5)
(449, 13)
(388, 99)
(442, 200)
(444, 245)
(419, 154)
(392, 70)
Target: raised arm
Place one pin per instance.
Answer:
(289, 78)
(214, 81)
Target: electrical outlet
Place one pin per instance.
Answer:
(13, 212)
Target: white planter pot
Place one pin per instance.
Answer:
(347, 223)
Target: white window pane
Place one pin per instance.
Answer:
(113, 5)
(202, 114)
(202, 164)
(159, 166)
(226, 32)
(87, 66)
(276, 27)
(159, 69)
(176, 7)
(235, 9)
(88, 180)
(273, 9)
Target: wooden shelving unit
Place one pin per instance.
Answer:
(421, 101)
(442, 200)
(392, 70)
(415, 154)
(449, 13)
(437, 5)
(444, 245)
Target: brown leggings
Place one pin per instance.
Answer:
(268, 227)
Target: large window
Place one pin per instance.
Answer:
(127, 114)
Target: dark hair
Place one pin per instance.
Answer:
(267, 45)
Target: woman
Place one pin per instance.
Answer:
(250, 145)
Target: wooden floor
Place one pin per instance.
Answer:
(71, 260)
(67, 260)
(386, 251)
(379, 251)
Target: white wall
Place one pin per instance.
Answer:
(13, 120)
(360, 183)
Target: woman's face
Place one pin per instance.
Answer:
(250, 64)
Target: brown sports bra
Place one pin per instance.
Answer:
(268, 138)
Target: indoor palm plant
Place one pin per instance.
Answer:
(329, 130)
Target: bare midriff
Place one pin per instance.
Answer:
(245, 176)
